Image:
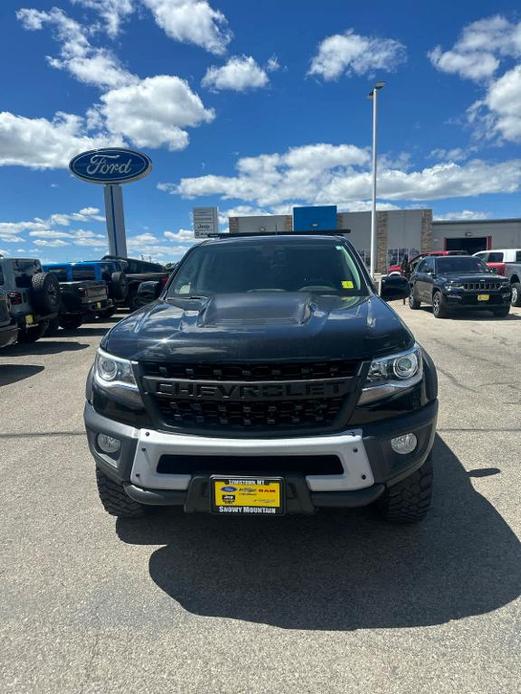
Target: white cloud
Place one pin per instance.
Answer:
(475, 66)
(482, 48)
(350, 53)
(56, 243)
(329, 174)
(482, 44)
(454, 154)
(192, 21)
(153, 112)
(148, 244)
(239, 74)
(39, 143)
(503, 101)
(181, 235)
(97, 66)
(44, 230)
(112, 12)
(462, 215)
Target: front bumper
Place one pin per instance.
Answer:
(368, 462)
(459, 299)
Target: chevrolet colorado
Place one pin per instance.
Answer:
(267, 378)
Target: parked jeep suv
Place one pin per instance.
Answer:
(34, 295)
(268, 377)
(458, 283)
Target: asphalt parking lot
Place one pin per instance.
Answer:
(332, 603)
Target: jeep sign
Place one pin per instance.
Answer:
(206, 222)
(110, 165)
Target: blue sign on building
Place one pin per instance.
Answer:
(110, 165)
(320, 218)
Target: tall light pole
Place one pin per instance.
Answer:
(373, 94)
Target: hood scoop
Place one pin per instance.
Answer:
(256, 309)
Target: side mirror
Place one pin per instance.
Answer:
(394, 287)
(148, 292)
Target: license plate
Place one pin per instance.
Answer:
(29, 320)
(247, 495)
(98, 304)
(483, 297)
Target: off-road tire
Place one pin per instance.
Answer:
(45, 294)
(70, 322)
(409, 500)
(516, 294)
(114, 499)
(501, 312)
(414, 304)
(107, 312)
(118, 286)
(439, 309)
(54, 326)
(27, 336)
(133, 302)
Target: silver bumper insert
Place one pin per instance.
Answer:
(348, 446)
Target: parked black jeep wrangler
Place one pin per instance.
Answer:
(268, 378)
(34, 295)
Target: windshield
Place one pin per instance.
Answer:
(462, 263)
(320, 267)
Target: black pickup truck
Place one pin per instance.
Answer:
(268, 378)
(82, 301)
(137, 272)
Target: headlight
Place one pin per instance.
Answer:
(115, 377)
(113, 371)
(392, 374)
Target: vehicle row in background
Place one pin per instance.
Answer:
(37, 300)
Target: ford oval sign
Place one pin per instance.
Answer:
(110, 165)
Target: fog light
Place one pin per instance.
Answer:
(108, 444)
(404, 444)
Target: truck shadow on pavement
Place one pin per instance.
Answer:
(337, 570)
(12, 373)
(44, 346)
(474, 316)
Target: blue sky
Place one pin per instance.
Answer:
(253, 107)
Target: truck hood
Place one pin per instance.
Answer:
(259, 327)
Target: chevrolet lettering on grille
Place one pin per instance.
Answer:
(186, 390)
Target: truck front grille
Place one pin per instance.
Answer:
(266, 399)
(485, 285)
(252, 372)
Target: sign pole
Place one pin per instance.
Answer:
(115, 220)
(111, 166)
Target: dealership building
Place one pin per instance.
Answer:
(398, 232)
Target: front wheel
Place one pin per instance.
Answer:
(409, 500)
(439, 309)
(70, 322)
(114, 499)
(30, 335)
(414, 303)
(107, 312)
(516, 294)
